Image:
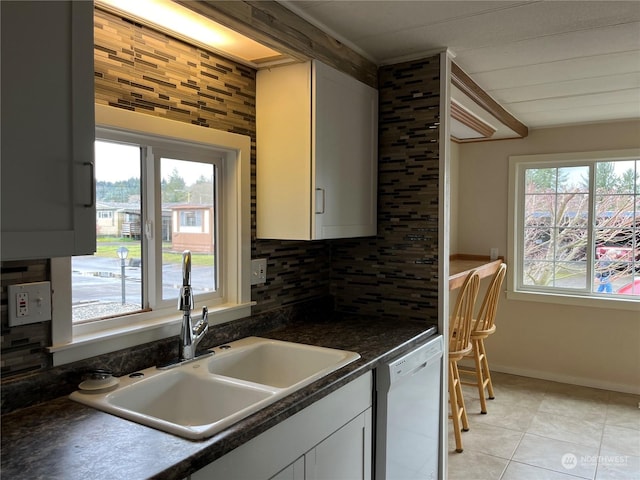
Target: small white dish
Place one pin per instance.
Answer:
(99, 384)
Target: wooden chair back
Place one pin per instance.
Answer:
(487, 314)
(462, 315)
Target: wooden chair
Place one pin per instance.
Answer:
(482, 327)
(459, 346)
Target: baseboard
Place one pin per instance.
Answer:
(570, 379)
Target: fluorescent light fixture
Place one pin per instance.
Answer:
(179, 21)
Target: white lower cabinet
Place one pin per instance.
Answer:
(346, 454)
(295, 471)
(330, 439)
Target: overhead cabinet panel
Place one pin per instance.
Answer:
(317, 136)
(48, 205)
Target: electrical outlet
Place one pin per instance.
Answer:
(258, 271)
(29, 303)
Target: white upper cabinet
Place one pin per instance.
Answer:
(317, 154)
(48, 129)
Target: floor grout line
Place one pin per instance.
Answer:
(583, 396)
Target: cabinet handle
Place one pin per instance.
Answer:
(93, 185)
(320, 200)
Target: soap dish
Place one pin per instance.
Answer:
(99, 380)
(101, 384)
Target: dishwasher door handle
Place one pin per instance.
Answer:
(418, 368)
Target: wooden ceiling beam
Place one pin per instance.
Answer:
(470, 88)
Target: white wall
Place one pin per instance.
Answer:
(583, 345)
(454, 179)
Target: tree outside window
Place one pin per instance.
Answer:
(581, 228)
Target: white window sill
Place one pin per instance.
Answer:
(108, 340)
(576, 300)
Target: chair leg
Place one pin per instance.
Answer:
(453, 402)
(478, 357)
(461, 406)
(487, 373)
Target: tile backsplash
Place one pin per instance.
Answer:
(396, 273)
(23, 346)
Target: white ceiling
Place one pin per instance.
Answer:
(546, 62)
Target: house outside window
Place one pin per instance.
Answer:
(575, 225)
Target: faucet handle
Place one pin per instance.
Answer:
(203, 325)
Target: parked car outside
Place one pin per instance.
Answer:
(632, 288)
(615, 253)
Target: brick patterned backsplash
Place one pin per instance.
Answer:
(396, 273)
(22, 347)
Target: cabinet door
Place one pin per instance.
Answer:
(317, 160)
(346, 155)
(47, 129)
(295, 471)
(283, 152)
(346, 454)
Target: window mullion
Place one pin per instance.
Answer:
(591, 237)
(153, 218)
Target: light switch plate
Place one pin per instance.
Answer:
(29, 303)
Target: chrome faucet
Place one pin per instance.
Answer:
(190, 335)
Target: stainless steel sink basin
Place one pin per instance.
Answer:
(197, 399)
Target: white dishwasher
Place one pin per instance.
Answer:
(407, 414)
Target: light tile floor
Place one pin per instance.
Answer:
(542, 430)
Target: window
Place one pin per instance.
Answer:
(190, 218)
(161, 189)
(122, 276)
(576, 225)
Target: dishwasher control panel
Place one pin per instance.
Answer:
(416, 359)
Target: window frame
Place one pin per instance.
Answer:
(71, 343)
(516, 291)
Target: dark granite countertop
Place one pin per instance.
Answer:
(62, 439)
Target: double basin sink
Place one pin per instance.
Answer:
(199, 398)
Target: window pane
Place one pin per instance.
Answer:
(572, 210)
(615, 177)
(617, 236)
(189, 212)
(540, 180)
(571, 275)
(537, 273)
(630, 287)
(109, 282)
(573, 179)
(556, 223)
